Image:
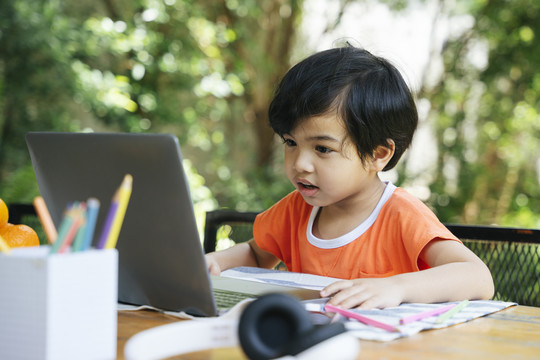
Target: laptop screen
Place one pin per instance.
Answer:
(161, 261)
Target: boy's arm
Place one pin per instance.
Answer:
(456, 273)
(243, 254)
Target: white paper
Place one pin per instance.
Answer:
(305, 281)
(392, 316)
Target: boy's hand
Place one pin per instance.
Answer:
(212, 265)
(364, 293)
(243, 254)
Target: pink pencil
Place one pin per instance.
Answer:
(363, 319)
(425, 314)
(70, 235)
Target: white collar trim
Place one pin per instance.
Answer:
(353, 234)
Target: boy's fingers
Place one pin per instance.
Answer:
(213, 267)
(214, 270)
(335, 287)
(350, 298)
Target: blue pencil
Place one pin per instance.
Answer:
(92, 209)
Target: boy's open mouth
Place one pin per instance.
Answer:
(307, 185)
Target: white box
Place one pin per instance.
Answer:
(61, 306)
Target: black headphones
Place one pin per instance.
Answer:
(273, 326)
(277, 325)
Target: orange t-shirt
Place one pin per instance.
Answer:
(388, 243)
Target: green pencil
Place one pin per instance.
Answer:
(453, 311)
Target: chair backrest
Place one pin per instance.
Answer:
(512, 255)
(227, 225)
(18, 212)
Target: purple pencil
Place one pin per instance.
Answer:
(108, 222)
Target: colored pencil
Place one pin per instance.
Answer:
(363, 319)
(65, 225)
(123, 200)
(425, 314)
(77, 242)
(447, 315)
(108, 221)
(78, 219)
(79, 236)
(92, 209)
(45, 219)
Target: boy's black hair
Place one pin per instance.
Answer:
(366, 91)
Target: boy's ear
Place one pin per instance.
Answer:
(382, 155)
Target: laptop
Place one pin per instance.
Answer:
(161, 260)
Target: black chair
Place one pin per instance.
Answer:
(227, 224)
(512, 255)
(22, 213)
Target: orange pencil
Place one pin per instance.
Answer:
(45, 219)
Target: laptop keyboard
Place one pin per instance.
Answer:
(227, 299)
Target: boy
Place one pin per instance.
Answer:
(344, 115)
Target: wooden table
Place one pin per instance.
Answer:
(513, 333)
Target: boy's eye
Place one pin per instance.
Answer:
(289, 142)
(323, 149)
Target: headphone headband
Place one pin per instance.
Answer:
(273, 326)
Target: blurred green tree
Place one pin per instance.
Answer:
(205, 71)
(486, 115)
(183, 67)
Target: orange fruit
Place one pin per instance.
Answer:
(19, 235)
(4, 214)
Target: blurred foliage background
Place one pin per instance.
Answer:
(206, 71)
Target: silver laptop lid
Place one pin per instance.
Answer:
(161, 261)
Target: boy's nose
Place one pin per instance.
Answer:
(303, 163)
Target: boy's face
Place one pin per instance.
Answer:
(322, 163)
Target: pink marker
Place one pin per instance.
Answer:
(363, 319)
(425, 314)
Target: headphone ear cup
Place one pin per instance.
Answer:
(316, 335)
(269, 324)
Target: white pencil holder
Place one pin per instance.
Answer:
(61, 306)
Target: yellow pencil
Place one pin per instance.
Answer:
(4, 247)
(123, 200)
(45, 219)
